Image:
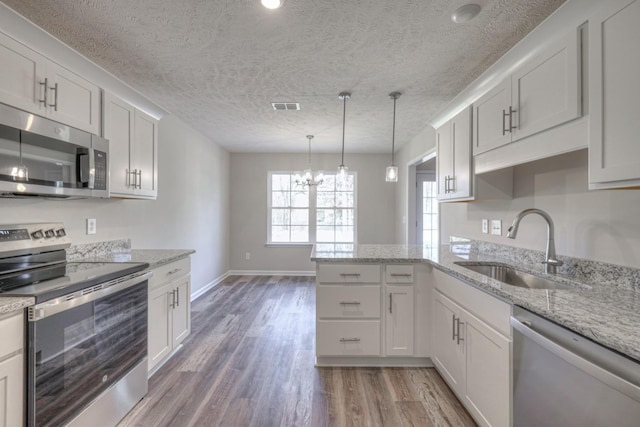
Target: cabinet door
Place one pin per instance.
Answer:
(21, 72)
(76, 101)
(614, 66)
(491, 119)
(546, 89)
(145, 153)
(400, 320)
(118, 129)
(488, 371)
(160, 332)
(11, 391)
(444, 160)
(448, 353)
(460, 186)
(181, 314)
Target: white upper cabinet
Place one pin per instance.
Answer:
(31, 82)
(543, 92)
(455, 177)
(133, 139)
(614, 66)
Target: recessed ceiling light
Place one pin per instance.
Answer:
(272, 4)
(465, 13)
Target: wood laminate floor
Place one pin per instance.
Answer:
(249, 361)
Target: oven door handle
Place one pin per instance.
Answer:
(92, 293)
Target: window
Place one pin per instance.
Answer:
(324, 214)
(430, 214)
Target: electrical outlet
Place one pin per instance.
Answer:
(485, 226)
(91, 226)
(247, 256)
(496, 227)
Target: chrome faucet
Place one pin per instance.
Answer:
(551, 261)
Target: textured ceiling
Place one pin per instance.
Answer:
(218, 64)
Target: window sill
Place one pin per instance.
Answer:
(288, 245)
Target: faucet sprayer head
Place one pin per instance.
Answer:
(512, 231)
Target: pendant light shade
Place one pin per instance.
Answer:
(342, 169)
(392, 171)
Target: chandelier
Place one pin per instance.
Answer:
(308, 179)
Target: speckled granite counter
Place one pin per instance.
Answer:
(10, 304)
(154, 257)
(603, 303)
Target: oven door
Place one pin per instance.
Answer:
(79, 345)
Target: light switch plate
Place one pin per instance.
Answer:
(485, 226)
(496, 227)
(91, 226)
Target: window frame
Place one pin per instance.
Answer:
(312, 211)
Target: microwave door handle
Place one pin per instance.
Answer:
(92, 168)
(84, 167)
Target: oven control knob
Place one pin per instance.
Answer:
(49, 233)
(38, 234)
(60, 232)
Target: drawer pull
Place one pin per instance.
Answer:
(174, 271)
(349, 339)
(349, 303)
(350, 274)
(401, 275)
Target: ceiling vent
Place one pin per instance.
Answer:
(286, 105)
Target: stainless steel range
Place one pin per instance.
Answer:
(86, 348)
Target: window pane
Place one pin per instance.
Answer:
(326, 199)
(344, 200)
(300, 217)
(344, 234)
(325, 217)
(280, 182)
(300, 199)
(279, 234)
(328, 184)
(346, 184)
(324, 234)
(299, 233)
(280, 217)
(279, 199)
(344, 217)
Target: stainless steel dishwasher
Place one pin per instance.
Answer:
(563, 379)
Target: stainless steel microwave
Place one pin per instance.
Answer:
(40, 157)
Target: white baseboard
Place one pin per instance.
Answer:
(197, 294)
(270, 273)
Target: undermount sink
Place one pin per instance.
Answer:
(510, 275)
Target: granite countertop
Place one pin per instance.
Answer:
(154, 257)
(10, 304)
(603, 303)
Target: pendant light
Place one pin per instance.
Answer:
(307, 179)
(392, 171)
(342, 169)
(272, 4)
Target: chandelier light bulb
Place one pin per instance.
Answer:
(392, 174)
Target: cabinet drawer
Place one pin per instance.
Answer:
(348, 301)
(169, 272)
(11, 334)
(399, 274)
(348, 338)
(348, 273)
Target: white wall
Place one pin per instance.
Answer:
(601, 225)
(191, 212)
(375, 210)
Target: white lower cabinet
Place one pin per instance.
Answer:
(12, 370)
(473, 353)
(169, 318)
(366, 314)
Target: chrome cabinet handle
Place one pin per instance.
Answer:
(401, 275)
(135, 178)
(55, 97)
(504, 116)
(174, 271)
(177, 297)
(349, 339)
(453, 326)
(458, 331)
(349, 303)
(172, 304)
(139, 179)
(452, 188)
(350, 274)
(46, 88)
(390, 303)
(511, 126)
(446, 184)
